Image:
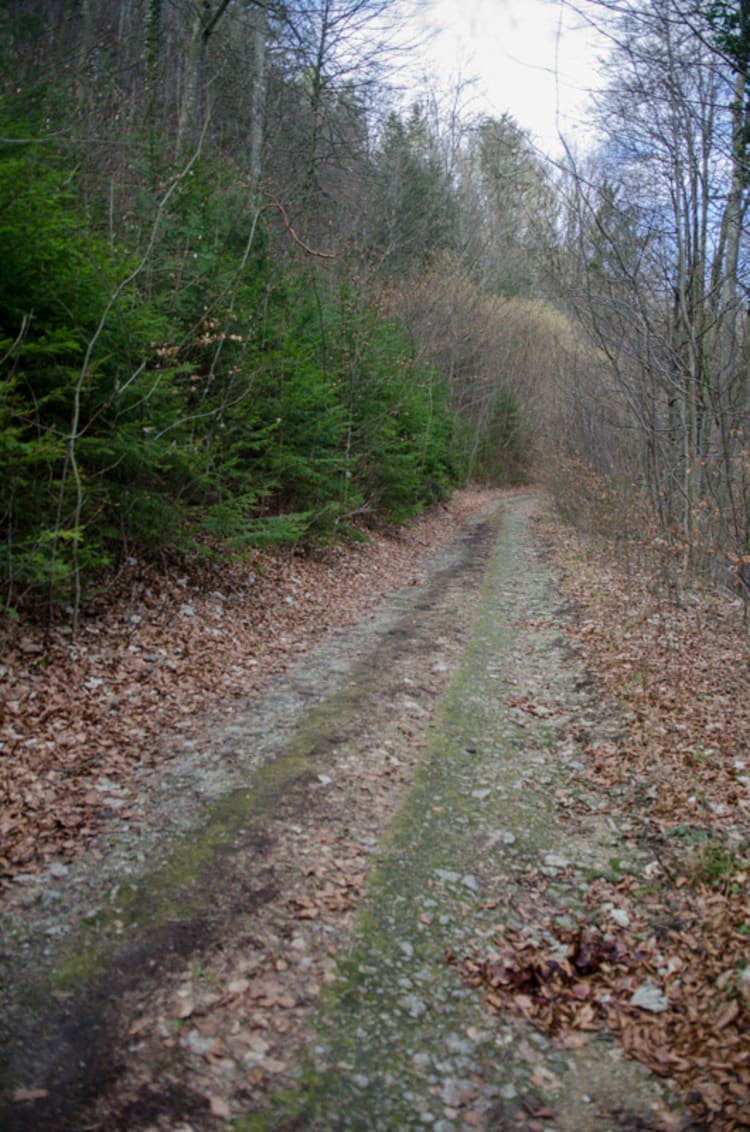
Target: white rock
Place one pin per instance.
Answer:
(448, 876)
(451, 1093)
(413, 1005)
(620, 916)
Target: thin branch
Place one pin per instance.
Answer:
(25, 321)
(209, 27)
(273, 203)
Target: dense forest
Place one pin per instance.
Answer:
(250, 293)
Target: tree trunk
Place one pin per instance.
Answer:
(259, 34)
(152, 47)
(191, 97)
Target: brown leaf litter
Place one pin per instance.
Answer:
(669, 971)
(77, 717)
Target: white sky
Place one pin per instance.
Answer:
(532, 58)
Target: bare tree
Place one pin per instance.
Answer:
(662, 257)
(331, 60)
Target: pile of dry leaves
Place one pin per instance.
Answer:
(668, 969)
(79, 716)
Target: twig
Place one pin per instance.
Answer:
(26, 319)
(273, 203)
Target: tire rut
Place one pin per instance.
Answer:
(69, 1006)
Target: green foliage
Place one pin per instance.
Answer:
(172, 394)
(51, 299)
(402, 423)
(86, 398)
(730, 25)
(358, 424)
(176, 377)
(716, 866)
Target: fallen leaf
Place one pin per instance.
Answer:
(727, 1014)
(23, 1096)
(651, 998)
(712, 1096)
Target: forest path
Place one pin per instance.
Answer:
(284, 964)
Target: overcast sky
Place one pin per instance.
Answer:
(532, 58)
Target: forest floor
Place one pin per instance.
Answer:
(447, 830)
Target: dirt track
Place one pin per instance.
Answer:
(270, 948)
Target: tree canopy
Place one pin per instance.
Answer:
(247, 294)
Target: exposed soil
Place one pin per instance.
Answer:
(330, 909)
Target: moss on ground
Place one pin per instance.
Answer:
(422, 898)
(183, 888)
(397, 1027)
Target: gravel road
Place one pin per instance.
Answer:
(267, 950)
